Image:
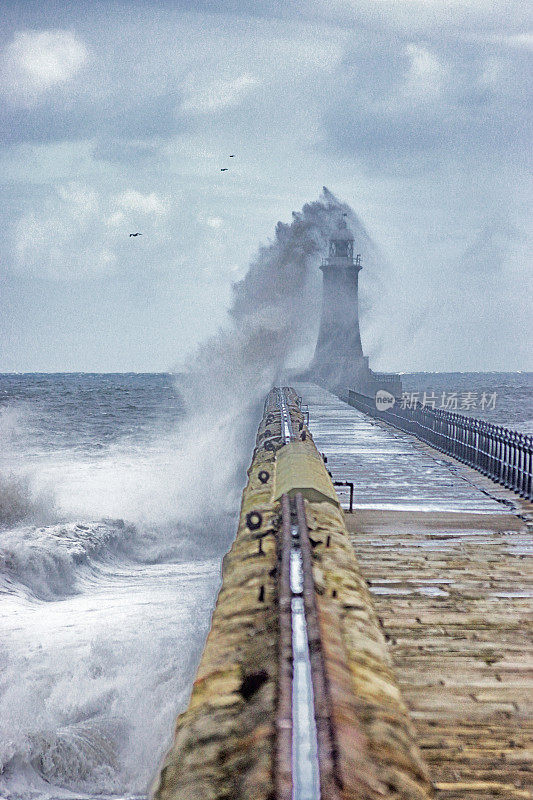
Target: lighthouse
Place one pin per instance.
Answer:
(338, 362)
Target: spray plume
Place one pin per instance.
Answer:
(104, 713)
(232, 371)
(189, 484)
(268, 316)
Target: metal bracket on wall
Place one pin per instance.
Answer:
(350, 484)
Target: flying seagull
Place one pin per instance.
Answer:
(224, 169)
(135, 234)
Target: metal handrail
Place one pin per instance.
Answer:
(504, 455)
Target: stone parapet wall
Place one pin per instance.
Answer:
(224, 744)
(378, 753)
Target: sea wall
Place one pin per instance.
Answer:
(224, 744)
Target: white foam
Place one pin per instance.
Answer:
(105, 625)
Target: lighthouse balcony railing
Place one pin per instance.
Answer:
(340, 261)
(504, 455)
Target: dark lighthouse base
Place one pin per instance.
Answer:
(355, 375)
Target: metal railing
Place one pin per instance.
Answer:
(501, 454)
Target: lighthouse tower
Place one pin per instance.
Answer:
(338, 360)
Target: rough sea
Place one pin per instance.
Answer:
(109, 567)
(114, 516)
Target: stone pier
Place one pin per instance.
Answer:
(424, 605)
(225, 741)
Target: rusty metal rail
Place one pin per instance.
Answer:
(328, 769)
(283, 770)
(297, 740)
(287, 786)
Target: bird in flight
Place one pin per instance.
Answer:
(224, 169)
(135, 234)
(233, 156)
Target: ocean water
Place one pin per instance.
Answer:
(110, 550)
(115, 511)
(503, 398)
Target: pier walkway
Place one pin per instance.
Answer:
(382, 653)
(391, 469)
(447, 556)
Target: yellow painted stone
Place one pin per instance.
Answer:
(299, 468)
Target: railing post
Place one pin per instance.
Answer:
(512, 471)
(477, 454)
(517, 458)
(528, 468)
(498, 463)
(473, 443)
(514, 454)
(525, 465)
(484, 448)
(505, 459)
(520, 464)
(454, 436)
(486, 434)
(494, 454)
(493, 430)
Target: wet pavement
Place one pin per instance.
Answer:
(389, 468)
(447, 556)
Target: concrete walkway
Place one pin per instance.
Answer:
(451, 572)
(390, 468)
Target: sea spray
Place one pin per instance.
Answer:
(188, 478)
(269, 314)
(269, 324)
(91, 684)
(20, 500)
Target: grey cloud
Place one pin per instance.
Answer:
(436, 175)
(123, 151)
(115, 118)
(478, 102)
(64, 11)
(388, 15)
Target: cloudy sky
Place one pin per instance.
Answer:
(118, 117)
